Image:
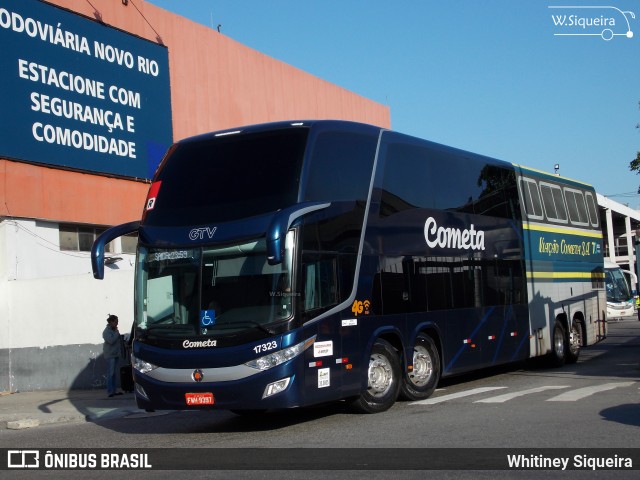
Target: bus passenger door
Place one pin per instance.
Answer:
(323, 360)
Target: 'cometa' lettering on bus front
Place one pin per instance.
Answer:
(442, 237)
(200, 343)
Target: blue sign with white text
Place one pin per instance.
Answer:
(79, 94)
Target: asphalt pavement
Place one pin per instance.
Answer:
(30, 409)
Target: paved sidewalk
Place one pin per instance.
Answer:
(31, 409)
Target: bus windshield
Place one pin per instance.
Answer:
(617, 286)
(212, 290)
(225, 178)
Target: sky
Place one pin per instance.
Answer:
(511, 79)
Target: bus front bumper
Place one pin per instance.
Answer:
(275, 388)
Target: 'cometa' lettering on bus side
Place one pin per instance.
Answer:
(468, 239)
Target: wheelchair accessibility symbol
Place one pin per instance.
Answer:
(207, 318)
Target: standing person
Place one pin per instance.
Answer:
(111, 351)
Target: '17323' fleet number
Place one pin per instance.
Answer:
(265, 347)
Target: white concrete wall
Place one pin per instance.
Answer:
(66, 310)
(49, 298)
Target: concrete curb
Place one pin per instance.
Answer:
(21, 422)
(31, 421)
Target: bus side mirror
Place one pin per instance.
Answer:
(280, 224)
(97, 250)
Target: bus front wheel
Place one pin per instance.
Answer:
(421, 381)
(383, 379)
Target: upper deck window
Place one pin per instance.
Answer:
(340, 166)
(566, 205)
(532, 200)
(592, 209)
(225, 178)
(424, 175)
(577, 207)
(553, 203)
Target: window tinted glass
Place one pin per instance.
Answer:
(532, 201)
(339, 171)
(559, 201)
(429, 176)
(592, 209)
(416, 284)
(553, 202)
(577, 206)
(330, 247)
(561, 204)
(225, 178)
(340, 167)
(582, 208)
(547, 199)
(320, 282)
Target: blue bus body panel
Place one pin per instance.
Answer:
(315, 375)
(468, 273)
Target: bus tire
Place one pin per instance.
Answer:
(383, 379)
(574, 343)
(421, 381)
(557, 356)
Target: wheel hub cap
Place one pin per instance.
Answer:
(422, 367)
(380, 375)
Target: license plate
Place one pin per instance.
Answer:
(199, 398)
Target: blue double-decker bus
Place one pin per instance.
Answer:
(296, 263)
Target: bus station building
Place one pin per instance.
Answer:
(94, 94)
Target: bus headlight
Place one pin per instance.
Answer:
(142, 366)
(276, 358)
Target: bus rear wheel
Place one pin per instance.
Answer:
(383, 379)
(575, 342)
(557, 357)
(421, 381)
